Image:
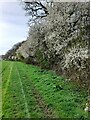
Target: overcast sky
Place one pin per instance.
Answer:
(13, 25)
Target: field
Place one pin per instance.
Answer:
(31, 92)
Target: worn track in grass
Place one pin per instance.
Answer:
(23, 93)
(47, 111)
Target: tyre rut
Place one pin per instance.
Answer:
(47, 111)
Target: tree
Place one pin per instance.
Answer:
(36, 9)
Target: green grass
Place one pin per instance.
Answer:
(39, 84)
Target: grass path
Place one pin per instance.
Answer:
(47, 112)
(29, 92)
(23, 93)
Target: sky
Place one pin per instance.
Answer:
(13, 24)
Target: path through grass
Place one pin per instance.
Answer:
(30, 92)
